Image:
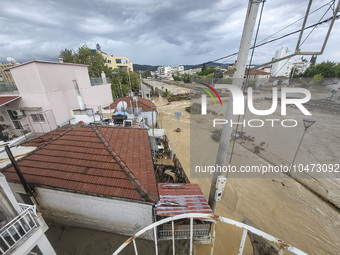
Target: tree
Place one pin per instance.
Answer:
(326, 69)
(146, 74)
(120, 82)
(67, 56)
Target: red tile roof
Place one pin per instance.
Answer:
(107, 161)
(176, 199)
(7, 99)
(143, 103)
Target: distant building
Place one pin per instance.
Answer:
(168, 71)
(281, 68)
(257, 76)
(115, 62)
(299, 65)
(96, 177)
(5, 74)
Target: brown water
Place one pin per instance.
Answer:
(280, 207)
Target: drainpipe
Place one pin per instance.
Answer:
(23, 181)
(79, 97)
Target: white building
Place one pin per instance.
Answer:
(168, 71)
(283, 67)
(22, 227)
(299, 65)
(45, 94)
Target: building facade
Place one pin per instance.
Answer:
(46, 93)
(283, 67)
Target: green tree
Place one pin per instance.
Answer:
(120, 80)
(317, 79)
(326, 69)
(67, 56)
(146, 74)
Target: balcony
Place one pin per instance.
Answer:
(13, 135)
(99, 81)
(19, 229)
(8, 88)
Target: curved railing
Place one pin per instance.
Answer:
(208, 217)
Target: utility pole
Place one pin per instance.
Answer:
(241, 63)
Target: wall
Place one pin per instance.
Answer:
(50, 86)
(103, 214)
(148, 116)
(95, 96)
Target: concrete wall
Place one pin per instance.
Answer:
(103, 214)
(148, 116)
(95, 96)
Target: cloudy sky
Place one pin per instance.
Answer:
(156, 32)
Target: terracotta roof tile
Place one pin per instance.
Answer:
(75, 158)
(143, 103)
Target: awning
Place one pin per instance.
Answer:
(7, 99)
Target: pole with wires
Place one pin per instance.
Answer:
(246, 39)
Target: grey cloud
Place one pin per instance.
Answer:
(148, 32)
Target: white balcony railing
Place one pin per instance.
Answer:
(282, 246)
(18, 228)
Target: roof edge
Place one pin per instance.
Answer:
(144, 193)
(44, 62)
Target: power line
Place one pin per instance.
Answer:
(332, 1)
(270, 41)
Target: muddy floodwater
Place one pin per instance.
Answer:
(281, 207)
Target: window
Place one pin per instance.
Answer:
(38, 117)
(2, 119)
(109, 61)
(118, 61)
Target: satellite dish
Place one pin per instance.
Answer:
(11, 60)
(122, 106)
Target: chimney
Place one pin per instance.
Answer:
(103, 77)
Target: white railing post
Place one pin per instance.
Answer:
(191, 233)
(173, 237)
(135, 246)
(155, 235)
(243, 241)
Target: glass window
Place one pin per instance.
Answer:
(38, 117)
(118, 61)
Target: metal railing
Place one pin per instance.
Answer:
(282, 246)
(7, 87)
(18, 228)
(183, 231)
(15, 133)
(99, 81)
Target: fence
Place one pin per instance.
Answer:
(99, 81)
(282, 246)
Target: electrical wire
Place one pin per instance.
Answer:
(315, 26)
(332, 1)
(270, 41)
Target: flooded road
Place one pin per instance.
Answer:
(280, 207)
